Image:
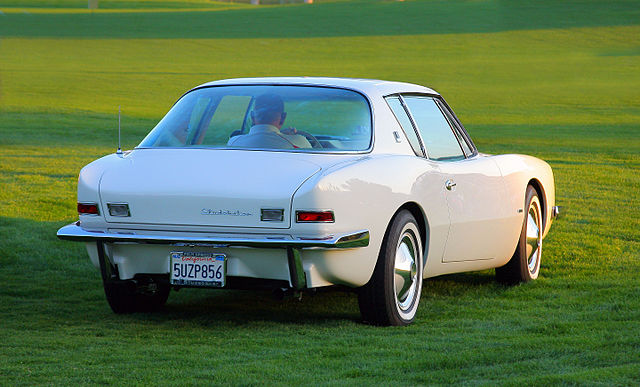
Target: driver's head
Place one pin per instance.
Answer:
(268, 110)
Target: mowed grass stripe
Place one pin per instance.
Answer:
(516, 77)
(137, 5)
(128, 5)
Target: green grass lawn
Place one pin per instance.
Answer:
(557, 80)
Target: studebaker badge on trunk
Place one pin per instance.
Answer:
(301, 183)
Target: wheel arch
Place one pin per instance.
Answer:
(535, 183)
(423, 224)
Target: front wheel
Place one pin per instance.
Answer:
(392, 295)
(525, 264)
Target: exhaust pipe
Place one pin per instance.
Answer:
(282, 294)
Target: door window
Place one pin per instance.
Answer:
(464, 141)
(437, 135)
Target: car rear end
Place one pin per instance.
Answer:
(189, 208)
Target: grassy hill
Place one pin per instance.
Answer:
(558, 80)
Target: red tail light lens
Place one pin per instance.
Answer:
(88, 209)
(315, 217)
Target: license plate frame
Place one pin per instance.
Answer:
(198, 269)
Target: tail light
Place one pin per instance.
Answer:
(88, 209)
(315, 217)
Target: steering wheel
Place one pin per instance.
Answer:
(312, 140)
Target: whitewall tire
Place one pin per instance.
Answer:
(392, 295)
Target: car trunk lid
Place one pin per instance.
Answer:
(204, 187)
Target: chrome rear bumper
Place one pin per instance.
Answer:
(74, 232)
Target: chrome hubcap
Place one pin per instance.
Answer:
(534, 236)
(406, 271)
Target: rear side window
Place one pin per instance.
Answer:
(405, 123)
(437, 135)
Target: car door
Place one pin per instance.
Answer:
(472, 184)
(432, 200)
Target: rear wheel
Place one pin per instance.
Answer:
(142, 294)
(392, 295)
(525, 264)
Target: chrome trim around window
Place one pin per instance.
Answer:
(425, 153)
(73, 232)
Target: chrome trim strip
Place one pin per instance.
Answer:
(73, 232)
(425, 154)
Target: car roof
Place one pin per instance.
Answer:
(366, 86)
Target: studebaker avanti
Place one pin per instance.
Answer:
(301, 183)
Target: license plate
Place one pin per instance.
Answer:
(198, 269)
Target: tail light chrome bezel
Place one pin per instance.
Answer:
(272, 214)
(120, 210)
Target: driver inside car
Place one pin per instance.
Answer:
(267, 118)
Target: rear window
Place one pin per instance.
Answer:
(299, 118)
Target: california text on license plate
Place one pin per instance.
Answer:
(198, 269)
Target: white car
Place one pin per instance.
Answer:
(300, 183)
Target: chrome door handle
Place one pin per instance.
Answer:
(449, 184)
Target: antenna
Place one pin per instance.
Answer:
(119, 151)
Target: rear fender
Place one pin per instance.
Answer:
(367, 194)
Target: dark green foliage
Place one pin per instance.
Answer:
(346, 18)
